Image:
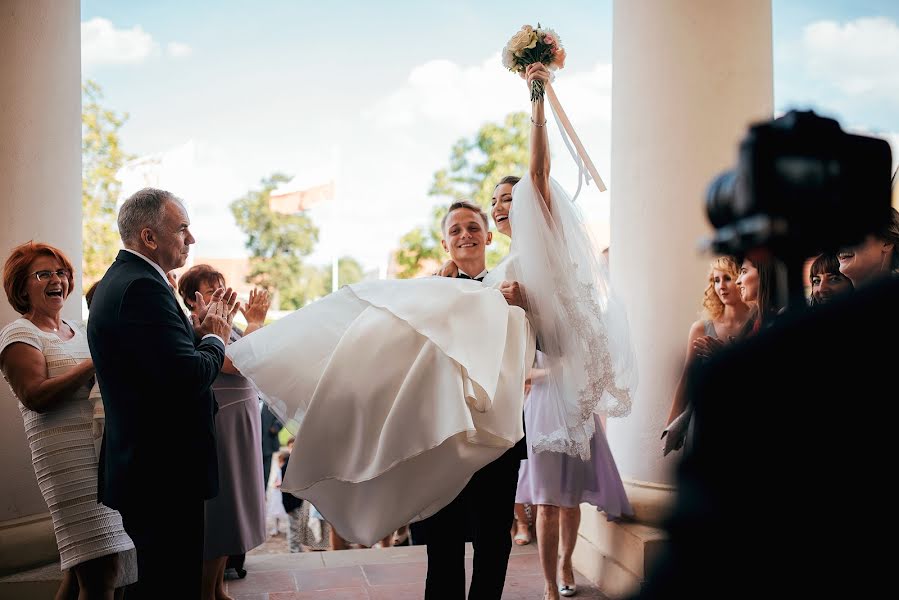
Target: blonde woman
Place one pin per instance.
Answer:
(725, 315)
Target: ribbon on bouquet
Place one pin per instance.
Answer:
(586, 169)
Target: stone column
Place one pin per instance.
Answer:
(688, 77)
(40, 196)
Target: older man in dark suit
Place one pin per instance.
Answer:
(155, 370)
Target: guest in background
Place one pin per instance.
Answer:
(292, 506)
(270, 442)
(758, 289)
(47, 363)
(275, 515)
(725, 314)
(827, 282)
(876, 257)
(235, 519)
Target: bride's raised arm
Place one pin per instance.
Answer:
(539, 164)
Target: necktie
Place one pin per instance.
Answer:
(464, 276)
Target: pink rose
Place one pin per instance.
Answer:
(560, 56)
(548, 39)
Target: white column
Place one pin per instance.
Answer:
(688, 77)
(40, 188)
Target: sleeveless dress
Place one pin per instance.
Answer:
(397, 393)
(558, 479)
(64, 458)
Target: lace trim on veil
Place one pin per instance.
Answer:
(581, 328)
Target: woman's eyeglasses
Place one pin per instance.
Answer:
(43, 276)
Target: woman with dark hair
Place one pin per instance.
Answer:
(47, 363)
(235, 519)
(827, 281)
(877, 256)
(758, 287)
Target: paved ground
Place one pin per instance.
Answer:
(375, 574)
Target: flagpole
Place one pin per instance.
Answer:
(335, 250)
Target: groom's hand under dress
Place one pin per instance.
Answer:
(514, 294)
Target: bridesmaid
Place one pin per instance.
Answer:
(554, 482)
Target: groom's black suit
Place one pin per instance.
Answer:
(156, 385)
(487, 505)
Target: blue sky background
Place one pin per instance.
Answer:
(223, 93)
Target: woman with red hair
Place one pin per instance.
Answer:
(47, 363)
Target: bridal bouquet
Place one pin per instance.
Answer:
(529, 46)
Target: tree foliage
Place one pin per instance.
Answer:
(476, 165)
(101, 158)
(277, 243)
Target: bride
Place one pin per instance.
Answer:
(398, 391)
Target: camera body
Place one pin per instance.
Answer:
(801, 186)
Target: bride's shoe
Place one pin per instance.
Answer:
(567, 589)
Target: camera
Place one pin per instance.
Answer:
(801, 186)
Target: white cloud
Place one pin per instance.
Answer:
(442, 101)
(103, 44)
(179, 50)
(858, 57)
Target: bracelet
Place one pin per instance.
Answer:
(538, 124)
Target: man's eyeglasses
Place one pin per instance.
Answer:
(43, 276)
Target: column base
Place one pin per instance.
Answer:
(615, 556)
(27, 542)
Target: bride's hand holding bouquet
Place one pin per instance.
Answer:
(534, 46)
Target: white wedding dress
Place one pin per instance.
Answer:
(398, 391)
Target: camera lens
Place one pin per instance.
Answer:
(720, 198)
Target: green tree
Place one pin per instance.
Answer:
(101, 158)
(277, 243)
(476, 165)
(349, 271)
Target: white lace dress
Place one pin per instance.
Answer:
(65, 460)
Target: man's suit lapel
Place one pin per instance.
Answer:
(138, 262)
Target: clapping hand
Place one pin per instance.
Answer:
(256, 308)
(706, 346)
(216, 317)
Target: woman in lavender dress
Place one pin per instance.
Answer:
(557, 484)
(555, 478)
(235, 519)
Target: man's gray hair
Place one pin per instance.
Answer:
(142, 209)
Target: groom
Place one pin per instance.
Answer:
(487, 502)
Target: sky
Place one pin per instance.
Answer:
(373, 94)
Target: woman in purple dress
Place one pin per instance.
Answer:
(235, 519)
(557, 482)
(557, 477)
